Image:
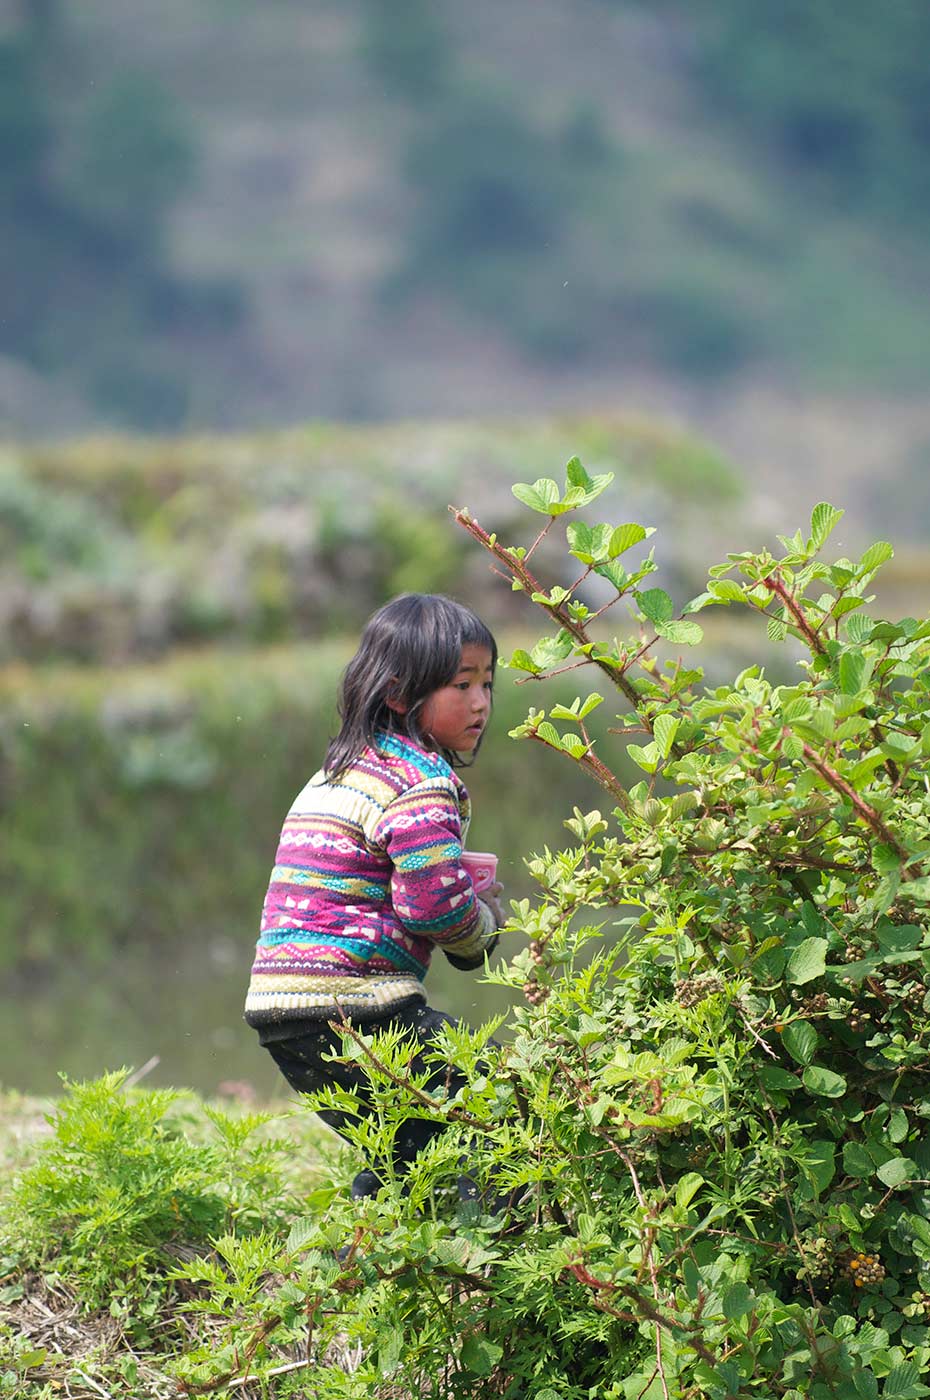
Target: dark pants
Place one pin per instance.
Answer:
(300, 1058)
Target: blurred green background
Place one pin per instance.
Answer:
(285, 278)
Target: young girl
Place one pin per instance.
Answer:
(367, 879)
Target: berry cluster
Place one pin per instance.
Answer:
(694, 989)
(818, 1258)
(534, 992)
(863, 1270)
(914, 994)
(918, 1307)
(816, 1005)
(855, 952)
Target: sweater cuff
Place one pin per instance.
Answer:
(468, 952)
(473, 963)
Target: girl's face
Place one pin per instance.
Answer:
(455, 715)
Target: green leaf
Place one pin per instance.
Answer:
(886, 860)
(856, 1161)
(727, 590)
(897, 1171)
(877, 554)
(541, 496)
(575, 475)
(479, 1355)
(580, 488)
(852, 672)
(800, 1040)
(808, 961)
(798, 708)
(301, 1232)
(646, 758)
(824, 519)
(590, 704)
(656, 605)
(390, 1350)
(824, 1082)
(682, 633)
(563, 712)
(903, 1383)
(549, 735)
(664, 731)
(588, 543)
(858, 628)
(737, 1300)
(522, 661)
(615, 574)
(899, 938)
(549, 651)
(687, 1188)
(898, 1125)
(818, 1160)
(579, 537)
(919, 1227)
(624, 537)
(774, 1077)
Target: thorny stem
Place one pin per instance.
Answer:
(404, 1081)
(650, 1236)
(646, 1308)
(776, 586)
(264, 1330)
(862, 808)
(599, 772)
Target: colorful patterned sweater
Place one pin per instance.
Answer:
(366, 881)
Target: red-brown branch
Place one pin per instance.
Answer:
(863, 810)
(775, 585)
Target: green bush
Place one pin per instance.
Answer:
(121, 1181)
(713, 1136)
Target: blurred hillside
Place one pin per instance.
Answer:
(241, 214)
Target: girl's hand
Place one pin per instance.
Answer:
(491, 897)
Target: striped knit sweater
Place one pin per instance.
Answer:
(366, 881)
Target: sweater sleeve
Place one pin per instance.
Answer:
(432, 894)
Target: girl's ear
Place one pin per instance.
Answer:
(390, 699)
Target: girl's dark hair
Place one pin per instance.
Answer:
(410, 648)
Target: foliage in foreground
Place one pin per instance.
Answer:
(700, 1167)
(128, 1180)
(713, 1132)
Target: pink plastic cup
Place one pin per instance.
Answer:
(482, 867)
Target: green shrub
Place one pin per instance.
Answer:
(714, 1135)
(121, 1181)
